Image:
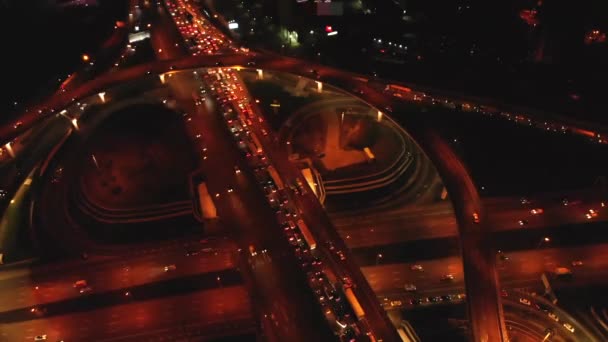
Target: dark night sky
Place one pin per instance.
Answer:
(40, 42)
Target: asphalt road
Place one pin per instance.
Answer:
(27, 287)
(523, 269)
(411, 223)
(470, 244)
(250, 220)
(211, 311)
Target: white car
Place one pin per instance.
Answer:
(524, 301)
(86, 289)
(410, 287)
(553, 316)
(417, 268)
(40, 338)
(569, 327)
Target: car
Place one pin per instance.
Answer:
(569, 327)
(410, 287)
(237, 170)
(171, 267)
(434, 299)
(417, 267)
(524, 200)
(230, 189)
(525, 301)
(537, 211)
(553, 316)
(17, 125)
(416, 301)
(80, 284)
(447, 277)
(192, 252)
(40, 338)
(577, 263)
(396, 303)
(476, 217)
(85, 289)
(522, 222)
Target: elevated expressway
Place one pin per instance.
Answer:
(485, 311)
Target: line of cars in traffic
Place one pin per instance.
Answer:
(526, 119)
(589, 214)
(239, 116)
(199, 36)
(544, 307)
(425, 300)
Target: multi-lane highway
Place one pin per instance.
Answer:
(248, 218)
(420, 222)
(521, 269)
(214, 312)
(250, 221)
(30, 286)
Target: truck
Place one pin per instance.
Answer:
(312, 244)
(208, 209)
(354, 302)
(255, 142)
(275, 177)
(369, 155)
(563, 273)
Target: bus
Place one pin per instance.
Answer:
(369, 154)
(275, 177)
(206, 202)
(256, 143)
(312, 244)
(354, 302)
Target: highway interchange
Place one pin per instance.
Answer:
(270, 279)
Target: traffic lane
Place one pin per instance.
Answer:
(170, 315)
(92, 300)
(536, 322)
(316, 216)
(439, 221)
(121, 274)
(389, 278)
(49, 271)
(402, 230)
(276, 269)
(521, 268)
(246, 211)
(166, 40)
(586, 234)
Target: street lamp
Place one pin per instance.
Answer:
(378, 257)
(546, 239)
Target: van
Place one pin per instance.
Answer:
(563, 273)
(80, 283)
